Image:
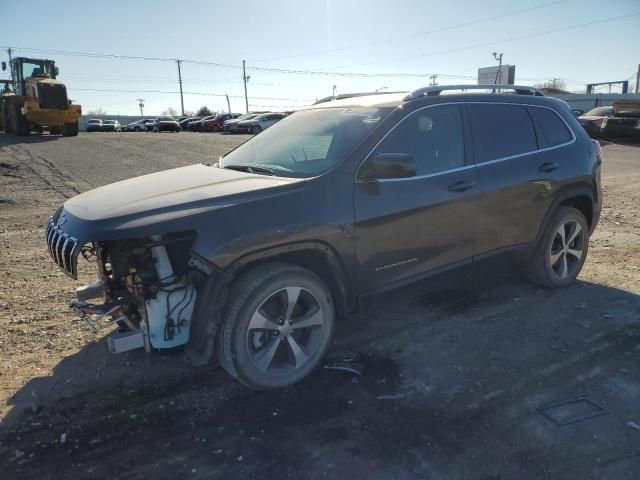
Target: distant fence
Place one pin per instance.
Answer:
(587, 102)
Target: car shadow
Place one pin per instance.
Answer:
(437, 363)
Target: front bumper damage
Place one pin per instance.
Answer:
(138, 289)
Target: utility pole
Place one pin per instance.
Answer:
(245, 79)
(141, 105)
(433, 78)
(638, 80)
(334, 91)
(499, 59)
(180, 81)
(11, 74)
(228, 103)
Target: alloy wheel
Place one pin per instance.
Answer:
(285, 331)
(567, 249)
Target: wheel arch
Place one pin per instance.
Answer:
(580, 196)
(315, 256)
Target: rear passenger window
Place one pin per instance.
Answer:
(501, 131)
(553, 128)
(433, 136)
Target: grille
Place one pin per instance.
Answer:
(52, 95)
(63, 249)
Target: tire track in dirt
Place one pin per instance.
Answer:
(45, 173)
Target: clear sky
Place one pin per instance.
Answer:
(450, 38)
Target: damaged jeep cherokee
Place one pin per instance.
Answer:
(251, 259)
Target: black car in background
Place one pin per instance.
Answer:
(185, 122)
(253, 259)
(165, 124)
(94, 125)
(195, 125)
(592, 120)
(624, 123)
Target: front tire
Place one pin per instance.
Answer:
(561, 251)
(256, 129)
(70, 129)
(278, 325)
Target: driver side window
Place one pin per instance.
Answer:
(432, 136)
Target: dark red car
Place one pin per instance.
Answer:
(216, 124)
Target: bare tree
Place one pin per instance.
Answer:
(555, 83)
(97, 112)
(172, 112)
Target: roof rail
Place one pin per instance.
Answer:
(342, 96)
(437, 89)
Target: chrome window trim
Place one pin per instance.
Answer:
(465, 167)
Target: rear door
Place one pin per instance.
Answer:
(517, 169)
(406, 227)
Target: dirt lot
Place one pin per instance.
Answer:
(453, 378)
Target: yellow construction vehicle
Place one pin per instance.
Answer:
(34, 98)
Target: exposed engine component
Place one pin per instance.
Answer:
(150, 300)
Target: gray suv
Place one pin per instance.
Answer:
(251, 259)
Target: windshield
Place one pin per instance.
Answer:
(247, 116)
(110, 122)
(600, 111)
(36, 69)
(307, 143)
(167, 119)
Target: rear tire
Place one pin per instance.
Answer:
(21, 125)
(561, 251)
(277, 326)
(256, 129)
(70, 129)
(6, 120)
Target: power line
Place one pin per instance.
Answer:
(189, 93)
(417, 34)
(342, 74)
(494, 42)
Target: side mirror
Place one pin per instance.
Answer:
(390, 165)
(4, 66)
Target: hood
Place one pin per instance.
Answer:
(163, 197)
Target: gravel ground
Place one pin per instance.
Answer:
(455, 371)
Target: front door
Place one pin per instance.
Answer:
(406, 227)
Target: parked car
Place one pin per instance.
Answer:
(111, 126)
(261, 122)
(137, 126)
(94, 125)
(253, 258)
(166, 124)
(216, 123)
(233, 124)
(592, 120)
(149, 123)
(186, 121)
(194, 126)
(624, 123)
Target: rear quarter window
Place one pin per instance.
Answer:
(501, 131)
(553, 129)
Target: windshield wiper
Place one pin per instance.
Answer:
(250, 169)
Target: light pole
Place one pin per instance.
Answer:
(334, 91)
(141, 105)
(498, 57)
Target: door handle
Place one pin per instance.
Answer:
(548, 167)
(461, 186)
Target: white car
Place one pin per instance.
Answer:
(261, 122)
(138, 126)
